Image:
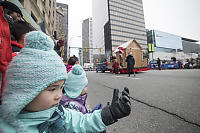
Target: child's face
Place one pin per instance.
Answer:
(84, 91)
(47, 98)
(77, 62)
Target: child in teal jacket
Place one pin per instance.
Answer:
(33, 90)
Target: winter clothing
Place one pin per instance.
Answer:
(36, 67)
(115, 67)
(77, 104)
(75, 122)
(76, 82)
(119, 108)
(69, 67)
(130, 64)
(130, 61)
(16, 47)
(24, 74)
(5, 48)
(158, 62)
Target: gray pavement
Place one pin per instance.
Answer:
(162, 101)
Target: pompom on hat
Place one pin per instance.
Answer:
(76, 81)
(35, 68)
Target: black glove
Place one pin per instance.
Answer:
(119, 108)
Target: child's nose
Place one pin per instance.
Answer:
(59, 95)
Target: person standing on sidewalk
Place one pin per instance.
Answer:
(9, 13)
(158, 62)
(130, 64)
(115, 67)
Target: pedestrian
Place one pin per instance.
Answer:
(163, 64)
(34, 83)
(115, 66)
(72, 61)
(12, 13)
(158, 62)
(9, 13)
(130, 64)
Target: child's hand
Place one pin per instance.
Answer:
(119, 108)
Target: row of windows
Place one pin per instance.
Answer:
(44, 1)
(127, 8)
(113, 21)
(122, 18)
(127, 38)
(140, 1)
(124, 40)
(126, 27)
(139, 5)
(126, 16)
(116, 43)
(127, 3)
(115, 36)
(112, 11)
(129, 32)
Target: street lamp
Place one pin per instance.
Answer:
(70, 43)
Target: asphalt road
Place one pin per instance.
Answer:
(166, 101)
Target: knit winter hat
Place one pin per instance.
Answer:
(76, 82)
(35, 68)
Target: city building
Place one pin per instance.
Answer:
(190, 46)
(116, 22)
(62, 25)
(87, 44)
(43, 12)
(166, 46)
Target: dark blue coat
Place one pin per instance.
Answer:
(130, 61)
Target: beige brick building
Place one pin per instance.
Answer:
(42, 11)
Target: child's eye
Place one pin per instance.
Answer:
(52, 89)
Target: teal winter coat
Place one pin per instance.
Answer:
(76, 122)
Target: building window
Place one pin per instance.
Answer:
(44, 2)
(44, 14)
(49, 13)
(49, 3)
(33, 16)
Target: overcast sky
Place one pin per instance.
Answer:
(179, 17)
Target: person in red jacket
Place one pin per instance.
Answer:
(115, 66)
(9, 13)
(5, 48)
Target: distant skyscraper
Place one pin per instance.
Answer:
(64, 9)
(87, 41)
(116, 22)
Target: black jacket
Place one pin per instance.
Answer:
(130, 61)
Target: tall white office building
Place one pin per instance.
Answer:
(87, 41)
(116, 22)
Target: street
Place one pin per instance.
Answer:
(164, 101)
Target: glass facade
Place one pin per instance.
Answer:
(116, 22)
(127, 22)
